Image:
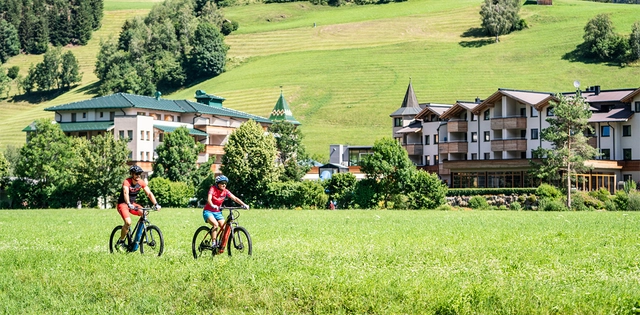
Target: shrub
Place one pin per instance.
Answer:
(478, 202)
(445, 207)
(399, 201)
(621, 199)
(290, 194)
(577, 202)
(634, 201)
(609, 205)
(516, 206)
(548, 204)
(601, 194)
(629, 186)
(548, 191)
(13, 72)
(167, 193)
(425, 191)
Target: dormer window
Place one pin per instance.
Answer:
(397, 122)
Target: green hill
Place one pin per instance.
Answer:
(344, 70)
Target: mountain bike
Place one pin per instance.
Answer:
(145, 236)
(231, 236)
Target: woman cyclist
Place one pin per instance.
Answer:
(126, 202)
(212, 213)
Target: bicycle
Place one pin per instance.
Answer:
(143, 236)
(231, 235)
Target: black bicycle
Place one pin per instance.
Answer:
(231, 236)
(145, 236)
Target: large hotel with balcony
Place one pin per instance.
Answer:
(489, 142)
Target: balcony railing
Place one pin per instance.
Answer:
(514, 144)
(453, 147)
(510, 122)
(457, 126)
(413, 149)
(214, 149)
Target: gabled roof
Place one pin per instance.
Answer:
(410, 105)
(630, 96)
(282, 112)
(413, 127)
(615, 115)
(459, 107)
(431, 108)
(536, 99)
(607, 96)
(124, 100)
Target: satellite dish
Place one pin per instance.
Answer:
(576, 84)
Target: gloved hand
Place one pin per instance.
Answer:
(157, 207)
(131, 206)
(246, 207)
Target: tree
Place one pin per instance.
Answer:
(291, 151)
(69, 71)
(634, 41)
(46, 169)
(600, 39)
(566, 133)
(499, 17)
(103, 167)
(46, 72)
(425, 191)
(249, 162)
(389, 166)
(177, 156)
(9, 41)
(209, 52)
(4, 169)
(4, 83)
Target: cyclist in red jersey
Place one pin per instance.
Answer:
(216, 196)
(126, 202)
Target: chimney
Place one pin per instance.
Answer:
(597, 89)
(478, 101)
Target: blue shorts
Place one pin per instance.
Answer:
(217, 215)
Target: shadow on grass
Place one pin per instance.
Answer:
(480, 38)
(530, 2)
(90, 89)
(36, 97)
(579, 55)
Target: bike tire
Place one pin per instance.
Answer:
(113, 239)
(152, 240)
(239, 241)
(201, 241)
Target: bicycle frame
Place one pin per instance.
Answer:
(135, 234)
(225, 230)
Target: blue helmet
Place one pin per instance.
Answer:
(221, 179)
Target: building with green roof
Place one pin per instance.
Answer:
(282, 112)
(145, 120)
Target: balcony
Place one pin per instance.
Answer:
(592, 141)
(214, 149)
(453, 147)
(508, 123)
(413, 149)
(457, 126)
(509, 145)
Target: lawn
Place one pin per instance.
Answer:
(328, 262)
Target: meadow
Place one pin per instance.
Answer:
(328, 262)
(344, 70)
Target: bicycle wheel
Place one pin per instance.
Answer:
(113, 239)
(201, 241)
(152, 240)
(239, 241)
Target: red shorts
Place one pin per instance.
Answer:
(124, 210)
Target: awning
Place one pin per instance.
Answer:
(80, 126)
(193, 132)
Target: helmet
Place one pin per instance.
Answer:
(136, 169)
(221, 179)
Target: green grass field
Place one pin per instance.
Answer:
(328, 262)
(343, 77)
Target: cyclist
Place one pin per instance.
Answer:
(212, 213)
(126, 202)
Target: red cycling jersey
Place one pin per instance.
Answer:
(217, 198)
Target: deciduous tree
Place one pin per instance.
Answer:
(291, 152)
(499, 17)
(177, 156)
(634, 41)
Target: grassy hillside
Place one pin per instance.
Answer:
(343, 77)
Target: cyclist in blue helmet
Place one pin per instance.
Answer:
(216, 196)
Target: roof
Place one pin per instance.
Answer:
(414, 126)
(410, 105)
(630, 96)
(125, 100)
(437, 109)
(616, 114)
(194, 132)
(536, 99)
(607, 96)
(333, 165)
(80, 126)
(282, 112)
(458, 108)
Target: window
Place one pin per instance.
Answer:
(605, 131)
(523, 134)
(626, 131)
(487, 156)
(121, 133)
(427, 139)
(523, 155)
(435, 139)
(101, 114)
(627, 177)
(474, 156)
(130, 134)
(397, 122)
(474, 137)
(436, 160)
(428, 160)
(523, 112)
(606, 154)
(141, 135)
(141, 155)
(161, 137)
(550, 111)
(487, 114)
(130, 155)
(626, 153)
(141, 114)
(637, 107)
(486, 136)
(73, 117)
(473, 117)
(148, 157)
(112, 115)
(84, 115)
(534, 133)
(148, 136)
(534, 112)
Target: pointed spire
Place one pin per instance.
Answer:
(282, 112)
(410, 99)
